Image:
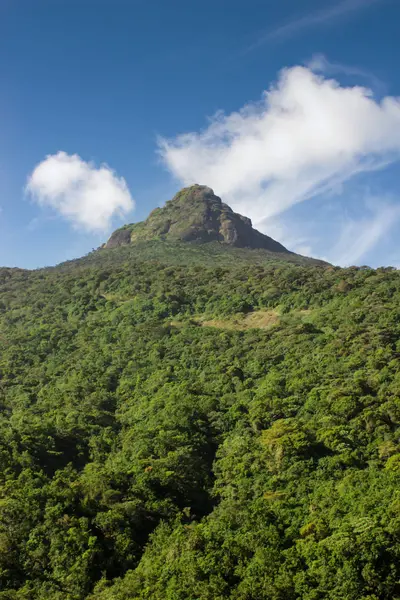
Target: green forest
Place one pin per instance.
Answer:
(186, 422)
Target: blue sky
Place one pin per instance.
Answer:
(108, 107)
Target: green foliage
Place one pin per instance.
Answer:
(145, 456)
(195, 214)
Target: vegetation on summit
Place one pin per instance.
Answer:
(196, 214)
(206, 423)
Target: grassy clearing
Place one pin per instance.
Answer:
(260, 319)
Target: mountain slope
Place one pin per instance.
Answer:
(196, 214)
(192, 228)
(172, 427)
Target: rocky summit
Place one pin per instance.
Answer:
(196, 214)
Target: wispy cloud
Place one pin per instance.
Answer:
(320, 64)
(358, 237)
(311, 20)
(86, 195)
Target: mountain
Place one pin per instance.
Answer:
(192, 419)
(196, 226)
(196, 214)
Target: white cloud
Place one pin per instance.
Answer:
(306, 137)
(358, 237)
(87, 196)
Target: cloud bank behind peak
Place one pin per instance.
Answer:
(307, 136)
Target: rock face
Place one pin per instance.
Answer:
(120, 237)
(196, 214)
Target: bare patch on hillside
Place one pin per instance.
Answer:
(260, 319)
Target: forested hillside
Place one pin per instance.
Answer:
(199, 300)
(184, 431)
(199, 425)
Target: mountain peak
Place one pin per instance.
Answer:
(196, 214)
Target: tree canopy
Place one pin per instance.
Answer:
(175, 427)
